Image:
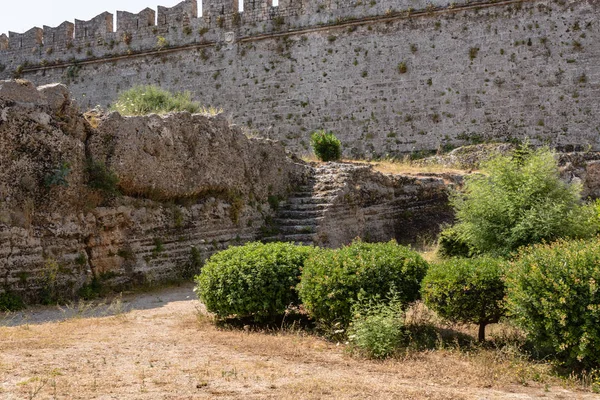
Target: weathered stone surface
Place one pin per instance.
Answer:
(183, 156)
(343, 201)
(379, 207)
(56, 95)
(476, 71)
(20, 91)
(191, 186)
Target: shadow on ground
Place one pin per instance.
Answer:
(110, 306)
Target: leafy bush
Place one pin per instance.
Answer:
(553, 293)
(520, 200)
(326, 145)
(142, 100)
(255, 280)
(58, 176)
(451, 244)
(332, 279)
(10, 302)
(467, 290)
(377, 328)
(102, 178)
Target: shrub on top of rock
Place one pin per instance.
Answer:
(467, 290)
(255, 281)
(333, 279)
(326, 145)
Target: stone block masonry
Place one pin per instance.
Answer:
(389, 77)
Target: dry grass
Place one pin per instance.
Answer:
(398, 167)
(167, 348)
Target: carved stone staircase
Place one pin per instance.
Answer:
(297, 219)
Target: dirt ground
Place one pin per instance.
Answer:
(159, 346)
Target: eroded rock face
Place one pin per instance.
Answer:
(191, 185)
(184, 155)
(380, 207)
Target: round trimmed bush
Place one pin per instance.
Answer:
(332, 279)
(467, 290)
(554, 295)
(326, 145)
(255, 280)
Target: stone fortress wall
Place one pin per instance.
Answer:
(388, 76)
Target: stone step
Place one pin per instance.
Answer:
(302, 194)
(296, 229)
(299, 214)
(297, 238)
(304, 207)
(328, 187)
(293, 201)
(300, 220)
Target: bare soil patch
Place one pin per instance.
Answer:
(161, 346)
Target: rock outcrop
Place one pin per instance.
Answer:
(131, 200)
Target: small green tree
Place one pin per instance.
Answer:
(467, 290)
(519, 200)
(326, 145)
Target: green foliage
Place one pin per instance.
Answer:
(326, 145)
(520, 200)
(193, 266)
(161, 42)
(58, 176)
(143, 100)
(102, 178)
(10, 301)
(467, 290)
(332, 279)
(91, 290)
(553, 294)
(255, 280)
(402, 67)
(450, 243)
(377, 328)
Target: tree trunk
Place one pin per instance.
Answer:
(481, 332)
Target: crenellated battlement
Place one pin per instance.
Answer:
(98, 26)
(26, 41)
(181, 14)
(129, 22)
(389, 76)
(3, 42)
(61, 36)
(181, 25)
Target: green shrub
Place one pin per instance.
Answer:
(520, 200)
(377, 328)
(142, 100)
(451, 244)
(102, 178)
(332, 279)
(326, 146)
(553, 294)
(255, 280)
(467, 290)
(58, 176)
(10, 301)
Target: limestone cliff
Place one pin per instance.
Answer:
(130, 200)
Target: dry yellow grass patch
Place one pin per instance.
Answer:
(397, 167)
(166, 348)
